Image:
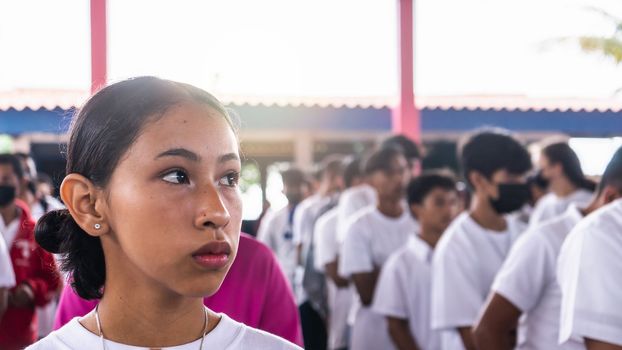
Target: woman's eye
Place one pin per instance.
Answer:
(176, 177)
(230, 180)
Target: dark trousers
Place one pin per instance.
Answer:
(313, 328)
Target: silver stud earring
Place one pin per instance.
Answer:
(98, 226)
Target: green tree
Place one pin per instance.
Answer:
(608, 46)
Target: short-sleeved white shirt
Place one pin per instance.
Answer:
(551, 205)
(339, 299)
(464, 266)
(228, 334)
(403, 291)
(371, 237)
(7, 275)
(528, 279)
(352, 200)
(275, 231)
(589, 271)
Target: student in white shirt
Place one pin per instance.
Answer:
(374, 233)
(403, 292)
(276, 230)
(362, 195)
(7, 276)
(152, 222)
(476, 243)
(527, 282)
(561, 167)
(589, 270)
(310, 286)
(326, 260)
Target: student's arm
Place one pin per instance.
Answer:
(4, 301)
(400, 334)
(496, 328)
(466, 335)
(331, 271)
(592, 344)
(365, 284)
(46, 279)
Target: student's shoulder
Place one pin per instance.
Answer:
(252, 338)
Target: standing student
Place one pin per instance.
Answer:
(7, 277)
(403, 292)
(310, 284)
(152, 222)
(373, 234)
(476, 243)
(527, 282)
(36, 274)
(561, 168)
(275, 229)
(339, 293)
(589, 270)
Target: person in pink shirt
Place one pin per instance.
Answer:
(255, 292)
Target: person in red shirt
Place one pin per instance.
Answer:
(36, 274)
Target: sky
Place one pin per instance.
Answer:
(328, 48)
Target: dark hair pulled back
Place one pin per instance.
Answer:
(100, 135)
(562, 153)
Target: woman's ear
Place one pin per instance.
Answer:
(86, 204)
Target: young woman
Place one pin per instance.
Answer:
(561, 167)
(152, 222)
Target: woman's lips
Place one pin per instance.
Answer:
(213, 255)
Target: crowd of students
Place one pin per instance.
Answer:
(370, 253)
(382, 256)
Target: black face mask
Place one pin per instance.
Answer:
(7, 195)
(511, 198)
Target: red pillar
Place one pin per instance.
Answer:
(99, 58)
(406, 119)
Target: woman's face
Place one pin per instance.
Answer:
(173, 203)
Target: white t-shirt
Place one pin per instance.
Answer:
(339, 299)
(551, 205)
(276, 232)
(7, 275)
(464, 266)
(10, 231)
(589, 271)
(228, 334)
(528, 279)
(371, 237)
(352, 200)
(403, 291)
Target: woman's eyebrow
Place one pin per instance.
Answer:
(227, 157)
(180, 152)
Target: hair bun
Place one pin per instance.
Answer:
(50, 231)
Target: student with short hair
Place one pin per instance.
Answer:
(589, 270)
(476, 243)
(275, 229)
(525, 291)
(560, 167)
(403, 292)
(372, 235)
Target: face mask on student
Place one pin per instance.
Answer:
(511, 198)
(7, 195)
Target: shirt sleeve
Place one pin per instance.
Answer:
(326, 247)
(46, 279)
(391, 294)
(591, 295)
(265, 233)
(356, 254)
(526, 272)
(7, 276)
(456, 296)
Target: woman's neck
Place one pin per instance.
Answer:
(562, 187)
(140, 312)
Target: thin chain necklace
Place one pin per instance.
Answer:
(101, 334)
